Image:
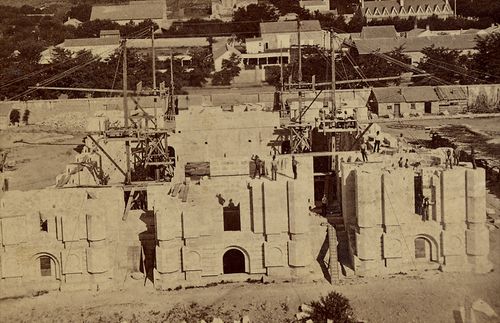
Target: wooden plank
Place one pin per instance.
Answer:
(129, 204)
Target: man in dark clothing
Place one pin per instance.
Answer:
(364, 153)
(257, 166)
(376, 145)
(294, 167)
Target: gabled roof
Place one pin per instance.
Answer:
(388, 94)
(135, 10)
(289, 26)
(72, 22)
(451, 93)
(410, 6)
(420, 94)
(378, 32)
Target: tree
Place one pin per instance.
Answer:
(230, 69)
(255, 12)
(445, 64)
(81, 12)
(201, 67)
(487, 58)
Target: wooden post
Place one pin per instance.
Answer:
(128, 177)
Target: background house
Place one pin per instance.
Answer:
(104, 46)
(135, 11)
(452, 99)
(315, 5)
(224, 9)
(403, 101)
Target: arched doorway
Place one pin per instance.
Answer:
(233, 262)
(423, 249)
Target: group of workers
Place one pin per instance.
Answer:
(259, 167)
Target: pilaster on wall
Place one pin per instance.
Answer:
(477, 235)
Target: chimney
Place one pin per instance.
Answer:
(402, 3)
(362, 3)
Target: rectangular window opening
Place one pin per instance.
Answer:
(232, 219)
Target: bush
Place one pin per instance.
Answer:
(26, 116)
(14, 117)
(333, 307)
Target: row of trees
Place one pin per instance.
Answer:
(444, 64)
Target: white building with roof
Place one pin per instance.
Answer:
(104, 47)
(378, 10)
(135, 11)
(224, 9)
(315, 5)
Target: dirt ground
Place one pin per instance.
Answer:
(430, 296)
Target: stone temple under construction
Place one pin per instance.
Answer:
(198, 216)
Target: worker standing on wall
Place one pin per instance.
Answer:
(294, 167)
(324, 204)
(448, 159)
(456, 155)
(256, 161)
(274, 169)
(473, 157)
(376, 145)
(364, 153)
(425, 209)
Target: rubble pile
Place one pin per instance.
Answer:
(71, 121)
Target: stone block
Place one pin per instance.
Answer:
(98, 260)
(392, 246)
(168, 224)
(191, 259)
(257, 207)
(453, 198)
(299, 253)
(368, 198)
(477, 242)
(168, 260)
(71, 262)
(476, 195)
(368, 244)
(398, 193)
(190, 222)
(298, 212)
(71, 227)
(273, 255)
(10, 267)
(275, 208)
(96, 227)
(13, 230)
(452, 244)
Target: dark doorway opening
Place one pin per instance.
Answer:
(233, 262)
(427, 107)
(285, 147)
